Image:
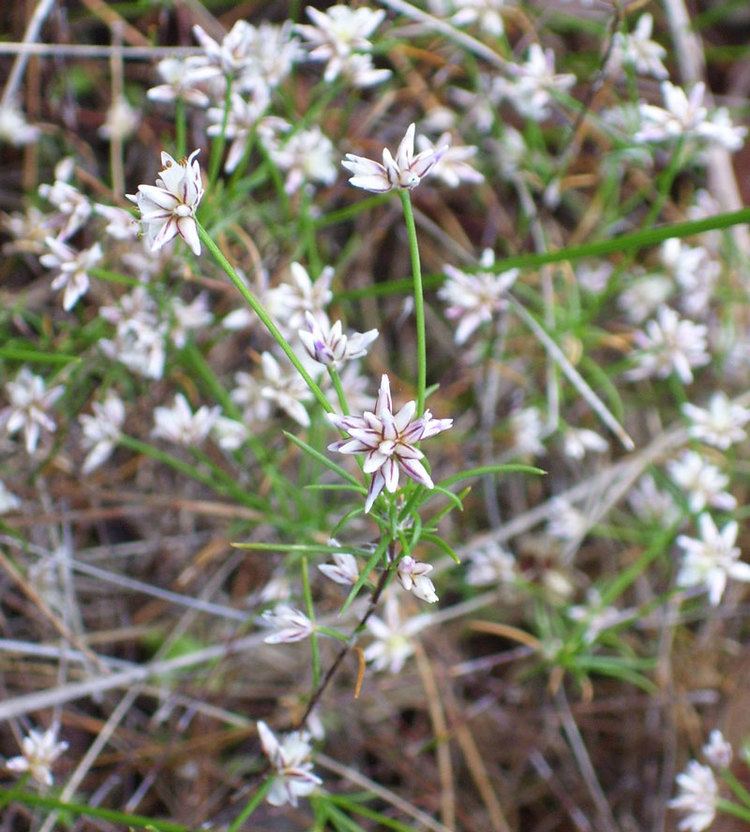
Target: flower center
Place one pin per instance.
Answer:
(183, 210)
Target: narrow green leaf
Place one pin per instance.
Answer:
(323, 460)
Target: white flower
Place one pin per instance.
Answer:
(653, 505)
(360, 71)
(179, 424)
(72, 269)
(670, 344)
(644, 295)
(566, 521)
(594, 275)
(189, 316)
(721, 424)
(685, 115)
(29, 231)
(636, 49)
(102, 431)
(527, 431)
(248, 394)
(168, 208)
(701, 481)
(473, 299)
(327, 344)
(452, 166)
(490, 564)
(344, 569)
(244, 115)
(180, 79)
(389, 442)
(529, 90)
(138, 345)
(8, 500)
(228, 58)
(393, 638)
(39, 752)
(286, 388)
(14, 129)
(306, 156)
(121, 121)
(291, 761)
(484, 13)
(413, 578)
(696, 272)
(73, 206)
(404, 171)
(717, 751)
(229, 434)
(120, 223)
(29, 402)
(337, 33)
(289, 623)
(577, 441)
(712, 560)
(697, 799)
(288, 302)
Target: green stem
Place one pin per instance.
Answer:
(416, 270)
(180, 121)
(733, 809)
(734, 784)
(217, 146)
(265, 318)
(310, 609)
(666, 180)
(339, 388)
(123, 818)
(251, 806)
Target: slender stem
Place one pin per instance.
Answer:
(265, 318)
(733, 809)
(339, 388)
(734, 784)
(416, 270)
(251, 806)
(310, 609)
(180, 121)
(217, 146)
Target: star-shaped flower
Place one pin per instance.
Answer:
(389, 441)
(168, 208)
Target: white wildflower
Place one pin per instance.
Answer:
(344, 569)
(188, 317)
(702, 482)
(180, 79)
(530, 89)
(290, 624)
(578, 441)
(14, 129)
(337, 33)
(29, 403)
(102, 431)
(711, 560)
(453, 165)
(229, 434)
(168, 208)
(404, 171)
(393, 642)
(527, 431)
(248, 395)
(139, 345)
(29, 231)
(39, 752)
(721, 424)
(121, 121)
(636, 49)
(484, 13)
(73, 206)
(474, 298)
(490, 565)
(306, 156)
(717, 751)
(653, 505)
(388, 441)
(670, 344)
(286, 389)
(72, 269)
(290, 759)
(699, 793)
(8, 500)
(288, 302)
(327, 344)
(120, 223)
(413, 578)
(566, 522)
(179, 424)
(644, 296)
(244, 116)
